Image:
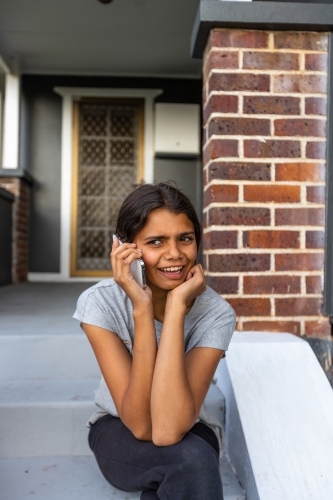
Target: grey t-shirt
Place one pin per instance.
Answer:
(209, 323)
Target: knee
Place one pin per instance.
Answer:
(197, 455)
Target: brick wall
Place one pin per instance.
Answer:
(20, 189)
(264, 99)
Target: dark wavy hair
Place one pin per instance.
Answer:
(134, 212)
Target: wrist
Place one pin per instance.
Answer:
(177, 304)
(143, 311)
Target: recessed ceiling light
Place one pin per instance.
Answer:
(105, 1)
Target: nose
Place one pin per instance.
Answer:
(173, 250)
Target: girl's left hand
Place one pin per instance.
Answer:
(194, 285)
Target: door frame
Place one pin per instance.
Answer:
(69, 95)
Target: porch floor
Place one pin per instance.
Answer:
(40, 308)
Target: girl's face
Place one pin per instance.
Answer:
(168, 248)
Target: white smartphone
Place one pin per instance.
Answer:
(138, 269)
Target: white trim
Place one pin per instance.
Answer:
(69, 94)
(11, 122)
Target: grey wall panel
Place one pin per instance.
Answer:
(44, 165)
(186, 173)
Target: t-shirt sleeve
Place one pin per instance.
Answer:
(91, 311)
(218, 334)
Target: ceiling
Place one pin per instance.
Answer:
(125, 37)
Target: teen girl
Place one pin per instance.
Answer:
(158, 349)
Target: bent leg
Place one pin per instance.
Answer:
(188, 470)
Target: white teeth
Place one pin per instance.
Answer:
(171, 269)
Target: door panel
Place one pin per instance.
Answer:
(108, 152)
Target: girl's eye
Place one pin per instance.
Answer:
(186, 238)
(154, 242)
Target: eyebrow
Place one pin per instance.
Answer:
(161, 237)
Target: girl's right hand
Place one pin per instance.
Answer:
(122, 257)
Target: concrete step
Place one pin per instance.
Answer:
(45, 417)
(46, 356)
(77, 478)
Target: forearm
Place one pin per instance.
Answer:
(135, 410)
(172, 403)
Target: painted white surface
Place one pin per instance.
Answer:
(11, 122)
(177, 128)
(279, 432)
(69, 94)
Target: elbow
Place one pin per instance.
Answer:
(166, 438)
(142, 434)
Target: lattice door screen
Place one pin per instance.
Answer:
(108, 158)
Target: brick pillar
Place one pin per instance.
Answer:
(264, 175)
(19, 187)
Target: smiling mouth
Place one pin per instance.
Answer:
(171, 270)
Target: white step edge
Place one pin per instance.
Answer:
(279, 426)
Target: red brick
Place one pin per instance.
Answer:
(271, 284)
(278, 194)
(315, 106)
(314, 284)
(318, 329)
(300, 40)
(315, 194)
(220, 193)
(204, 94)
(299, 262)
(300, 83)
(299, 217)
(316, 62)
(239, 126)
(218, 59)
(271, 239)
(272, 149)
(270, 60)
(239, 216)
(293, 327)
(239, 38)
(303, 306)
(223, 284)
(239, 171)
(316, 150)
(251, 307)
(271, 105)
(310, 172)
(219, 148)
(315, 239)
(239, 82)
(232, 263)
(300, 127)
(220, 239)
(220, 104)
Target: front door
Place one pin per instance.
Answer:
(108, 165)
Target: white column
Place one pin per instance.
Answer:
(11, 122)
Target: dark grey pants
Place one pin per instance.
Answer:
(188, 470)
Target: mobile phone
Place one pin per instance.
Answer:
(138, 269)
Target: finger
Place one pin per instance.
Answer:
(189, 275)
